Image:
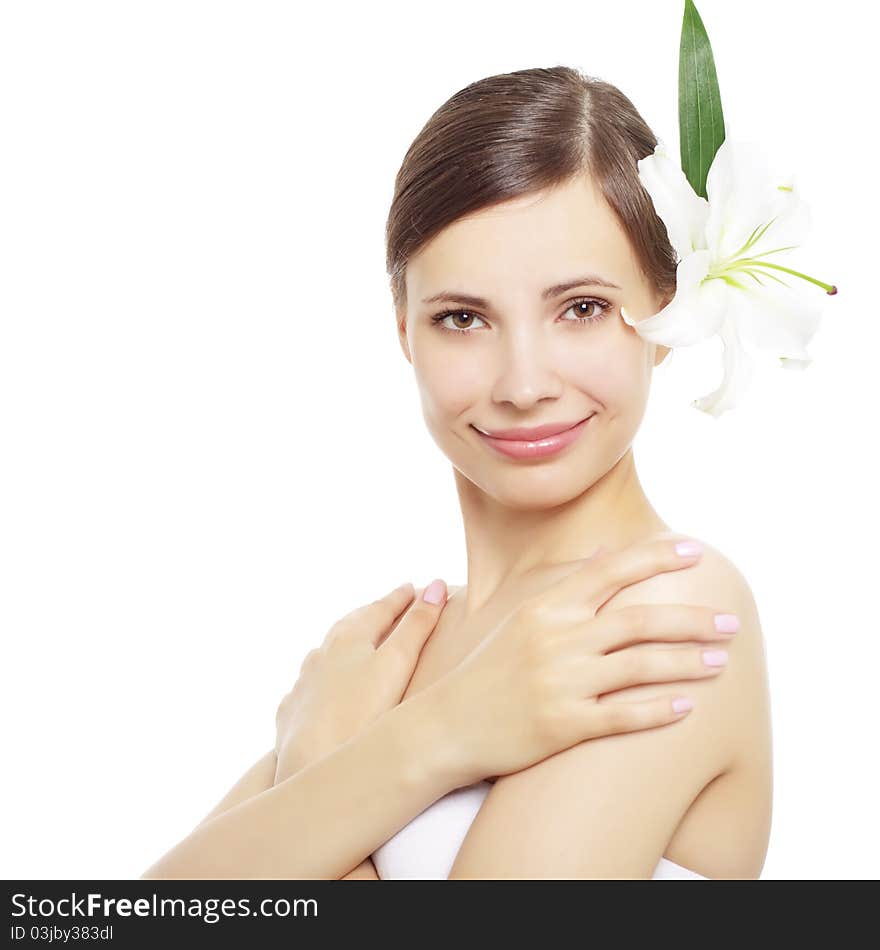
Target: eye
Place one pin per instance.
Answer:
(454, 313)
(602, 307)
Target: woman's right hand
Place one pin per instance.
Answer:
(531, 687)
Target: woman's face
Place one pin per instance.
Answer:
(531, 357)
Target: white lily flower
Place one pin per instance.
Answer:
(725, 283)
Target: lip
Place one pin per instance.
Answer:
(549, 440)
(533, 434)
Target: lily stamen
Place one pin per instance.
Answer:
(828, 288)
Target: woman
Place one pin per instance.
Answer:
(518, 230)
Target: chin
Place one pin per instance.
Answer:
(536, 489)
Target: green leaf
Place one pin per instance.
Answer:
(700, 120)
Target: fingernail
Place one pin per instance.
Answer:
(434, 592)
(715, 657)
(682, 704)
(688, 548)
(726, 623)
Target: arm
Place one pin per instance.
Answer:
(273, 769)
(365, 871)
(386, 775)
(259, 778)
(607, 808)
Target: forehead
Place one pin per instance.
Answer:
(528, 242)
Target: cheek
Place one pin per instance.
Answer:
(614, 374)
(449, 386)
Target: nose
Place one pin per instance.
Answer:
(526, 372)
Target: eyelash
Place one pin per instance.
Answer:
(604, 305)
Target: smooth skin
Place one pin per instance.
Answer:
(346, 744)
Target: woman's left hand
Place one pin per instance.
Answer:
(359, 672)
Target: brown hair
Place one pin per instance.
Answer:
(509, 135)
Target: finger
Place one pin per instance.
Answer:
(633, 667)
(602, 719)
(381, 614)
(417, 624)
(600, 578)
(624, 626)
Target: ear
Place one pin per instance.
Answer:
(661, 352)
(400, 316)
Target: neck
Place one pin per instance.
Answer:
(506, 546)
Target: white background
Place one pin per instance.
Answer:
(211, 445)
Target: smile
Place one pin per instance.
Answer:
(539, 448)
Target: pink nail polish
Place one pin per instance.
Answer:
(434, 592)
(715, 657)
(682, 704)
(688, 548)
(726, 623)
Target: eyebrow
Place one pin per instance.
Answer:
(593, 280)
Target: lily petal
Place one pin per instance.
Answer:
(774, 317)
(790, 217)
(788, 363)
(743, 194)
(737, 374)
(679, 207)
(694, 313)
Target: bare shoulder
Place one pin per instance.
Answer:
(739, 697)
(715, 580)
(697, 790)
